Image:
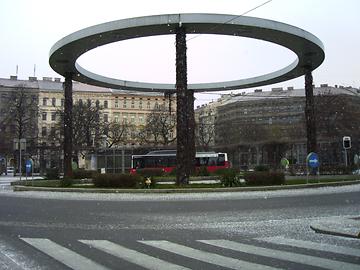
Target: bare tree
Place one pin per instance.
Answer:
(205, 134)
(20, 118)
(159, 127)
(87, 126)
(117, 133)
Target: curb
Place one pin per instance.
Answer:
(323, 230)
(344, 227)
(184, 190)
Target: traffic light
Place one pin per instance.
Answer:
(346, 142)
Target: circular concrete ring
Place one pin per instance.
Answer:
(308, 48)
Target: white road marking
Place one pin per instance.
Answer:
(63, 255)
(282, 255)
(132, 256)
(204, 256)
(312, 245)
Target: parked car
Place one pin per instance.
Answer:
(356, 172)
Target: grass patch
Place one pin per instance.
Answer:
(38, 183)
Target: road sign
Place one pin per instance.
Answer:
(28, 165)
(347, 142)
(312, 160)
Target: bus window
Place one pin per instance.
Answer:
(221, 160)
(212, 161)
(138, 163)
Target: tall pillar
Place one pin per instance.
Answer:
(310, 113)
(68, 126)
(185, 127)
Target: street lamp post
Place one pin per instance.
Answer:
(20, 145)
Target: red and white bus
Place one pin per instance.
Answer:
(166, 160)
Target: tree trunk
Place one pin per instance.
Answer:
(185, 114)
(310, 113)
(68, 126)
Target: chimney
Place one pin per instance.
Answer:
(290, 88)
(324, 85)
(48, 79)
(57, 79)
(32, 79)
(13, 78)
(257, 90)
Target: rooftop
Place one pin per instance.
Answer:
(55, 84)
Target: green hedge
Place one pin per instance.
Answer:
(116, 180)
(82, 174)
(202, 171)
(150, 172)
(229, 177)
(264, 178)
(52, 174)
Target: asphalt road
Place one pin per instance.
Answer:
(245, 230)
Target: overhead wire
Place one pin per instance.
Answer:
(235, 17)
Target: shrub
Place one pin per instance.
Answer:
(261, 168)
(173, 172)
(82, 174)
(116, 180)
(221, 172)
(229, 177)
(264, 178)
(150, 172)
(52, 174)
(66, 182)
(202, 171)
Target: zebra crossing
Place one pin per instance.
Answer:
(210, 251)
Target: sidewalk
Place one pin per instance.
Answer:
(346, 227)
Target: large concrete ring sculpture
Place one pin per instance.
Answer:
(307, 47)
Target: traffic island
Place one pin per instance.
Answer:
(345, 227)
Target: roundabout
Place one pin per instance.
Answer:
(307, 47)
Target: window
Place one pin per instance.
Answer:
(116, 117)
(106, 118)
(105, 104)
(53, 116)
(53, 101)
(52, 131)
(116, 103)
(148, 105)
(45, 101)
(62, 102)
(43, 131)
(44, 116)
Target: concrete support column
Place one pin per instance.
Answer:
(68, 126)
(310, 113)
(185, 114)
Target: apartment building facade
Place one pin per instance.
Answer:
(264, 126)
(119, 106)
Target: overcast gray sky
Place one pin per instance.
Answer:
(30, 28)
